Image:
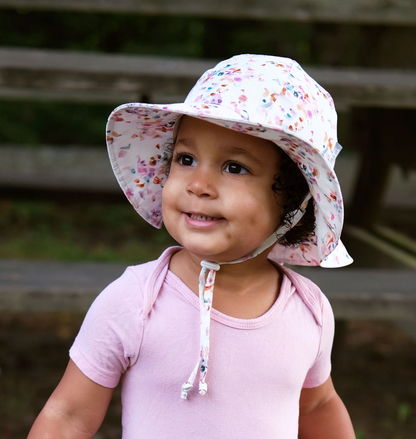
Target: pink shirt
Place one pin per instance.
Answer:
(144, 330)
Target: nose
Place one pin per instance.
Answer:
(202, 184)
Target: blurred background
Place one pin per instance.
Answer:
(64, 65)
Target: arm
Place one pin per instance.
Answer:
(322, 414)
(75, 409)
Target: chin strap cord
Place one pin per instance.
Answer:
(206, 289)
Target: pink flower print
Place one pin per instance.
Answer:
(215, 100)
(129, 193)
(156, 214)
(123, 150)
(278, 122)
(243, 99)
(236, 109)
(330, 175)
(140, 162)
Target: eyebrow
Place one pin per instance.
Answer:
(232, 149)
(229, 147)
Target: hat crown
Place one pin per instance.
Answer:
(270, 91)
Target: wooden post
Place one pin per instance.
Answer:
(384, 136)
(367, 133)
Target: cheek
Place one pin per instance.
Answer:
(260, 210)
(167, 198)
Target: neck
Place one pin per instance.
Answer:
(243, 290)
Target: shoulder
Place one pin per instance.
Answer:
(138, 286)
(110, 337)
(311, 294)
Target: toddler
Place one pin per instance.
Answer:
(242, 176)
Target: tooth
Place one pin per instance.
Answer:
(202, 218)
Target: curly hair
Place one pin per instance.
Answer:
(290, 183)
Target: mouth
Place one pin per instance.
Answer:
(199, 217)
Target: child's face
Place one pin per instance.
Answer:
(218, 201)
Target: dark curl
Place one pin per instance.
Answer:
(291, 184)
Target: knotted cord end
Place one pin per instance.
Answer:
(210, 265)
(203, 388)
(186, 387)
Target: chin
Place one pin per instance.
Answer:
(215, 254)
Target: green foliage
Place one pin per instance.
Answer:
(81, 232)
(53, 123)
(154, 35)
(359, 434)
(403, 412)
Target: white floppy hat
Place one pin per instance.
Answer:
(264, 96)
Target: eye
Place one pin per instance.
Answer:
(236, 168)
(185, 160)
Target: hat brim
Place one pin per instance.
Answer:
(137, 135)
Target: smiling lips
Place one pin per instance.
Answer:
(202, 217)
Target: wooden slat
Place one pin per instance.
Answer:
(58, 168)
(37, 286)
(394, 12)
(392, 250)
(367, 293)
(53, 286)
(92, 77)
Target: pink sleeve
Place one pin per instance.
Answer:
(321, 368)
(110, 336)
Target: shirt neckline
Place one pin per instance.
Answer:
(286, 290)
